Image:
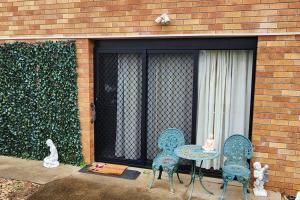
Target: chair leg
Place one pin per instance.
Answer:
(222, 186)
(224, 189)
(171, 185)
(153, 179)
(160, 172)
(180, 181)
(245, 182)
(245, 189)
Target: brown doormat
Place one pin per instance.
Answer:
(127, 174)
(106, 168)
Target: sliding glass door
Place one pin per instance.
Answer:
(143, 87)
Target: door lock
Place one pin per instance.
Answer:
(93, 108)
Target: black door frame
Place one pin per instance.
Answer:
(144, 46)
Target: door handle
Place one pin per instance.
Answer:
(93, 109)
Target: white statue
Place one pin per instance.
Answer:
(298, 196)
(51, 161)
(261, 175)
(210, 143)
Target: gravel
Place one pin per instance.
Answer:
(16, 190)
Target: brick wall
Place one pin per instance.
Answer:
(86, 95)
(276, 133)
(133, 17)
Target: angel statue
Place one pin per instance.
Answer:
(262, 176)
(298, 196)
(51, 161)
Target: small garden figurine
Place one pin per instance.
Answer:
(51, 161)
(261, 175)
(298, 196)
(210, 143)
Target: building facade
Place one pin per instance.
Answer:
(275, 23)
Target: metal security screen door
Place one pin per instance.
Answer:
(118, 105)
(138, 96)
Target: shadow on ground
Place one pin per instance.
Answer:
(77, 189)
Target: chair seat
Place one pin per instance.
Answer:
(165, 161)
(237, 170)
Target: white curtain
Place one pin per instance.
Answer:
(224, 95)
(129, 95)
(170, 94)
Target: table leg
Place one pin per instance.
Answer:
(193, 175)
(192, 169)
(201, 175)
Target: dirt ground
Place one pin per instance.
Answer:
(16, 190)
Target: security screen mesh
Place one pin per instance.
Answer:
(119, 104)
(170, 95)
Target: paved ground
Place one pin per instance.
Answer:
(31, 170)
(94, 187)
(69, 184)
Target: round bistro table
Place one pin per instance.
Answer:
(195, 153)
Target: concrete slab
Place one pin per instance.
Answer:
(32, 170)
(80, 186)
(234, 191)
(74, 185)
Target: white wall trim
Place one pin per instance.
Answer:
(148, 36)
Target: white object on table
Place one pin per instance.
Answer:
(209, 144)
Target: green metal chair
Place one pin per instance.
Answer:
(237, 150)
(169, 139)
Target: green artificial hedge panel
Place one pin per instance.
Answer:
(38, 100)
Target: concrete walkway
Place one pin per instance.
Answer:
(32, 170)
(65, 182)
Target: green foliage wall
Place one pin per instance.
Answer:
(38, 100)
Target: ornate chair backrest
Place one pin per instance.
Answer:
(237, 149)
(169, 139)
